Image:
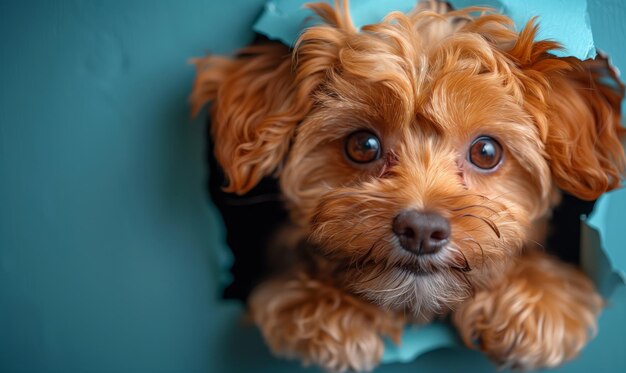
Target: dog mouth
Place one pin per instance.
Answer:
(424, 265)
(414, 269)
(448, 259)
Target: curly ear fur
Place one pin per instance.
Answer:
(578, 115)
(260, 96)
(256, 107)
(587, 158)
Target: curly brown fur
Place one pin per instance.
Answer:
(426, 85)
(303, 317)
(540, 314)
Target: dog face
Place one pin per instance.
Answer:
(417, 152)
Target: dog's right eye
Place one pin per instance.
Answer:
(363, 147)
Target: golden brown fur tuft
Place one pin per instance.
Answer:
(552, 305)
(321, 324)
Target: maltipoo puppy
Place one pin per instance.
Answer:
(419, 158)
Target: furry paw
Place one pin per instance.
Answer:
(319, 324)
(541, 315)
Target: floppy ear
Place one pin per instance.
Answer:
(587, 158)
(255, 110)
(260, 96)
(576, 105)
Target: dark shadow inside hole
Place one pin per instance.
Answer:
(564, 235)
(250, 221)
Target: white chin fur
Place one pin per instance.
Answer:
(423, 295)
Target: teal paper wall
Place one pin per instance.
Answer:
(109, 248)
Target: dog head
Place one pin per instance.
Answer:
(417, 152)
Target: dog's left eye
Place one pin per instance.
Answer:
(363, 147)
(485, 153)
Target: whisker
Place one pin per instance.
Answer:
(538, 244)
(495, 212)
(467, 267)
(482, 252)
(489, 223)
(499, 196)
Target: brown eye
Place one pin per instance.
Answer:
(363, 147)
(485, 153)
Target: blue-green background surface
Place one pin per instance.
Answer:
(109, 248)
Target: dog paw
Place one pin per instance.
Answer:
(319, 324)
(541, 315)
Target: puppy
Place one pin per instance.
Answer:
(419, 159)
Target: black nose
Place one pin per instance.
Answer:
(421, 232)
